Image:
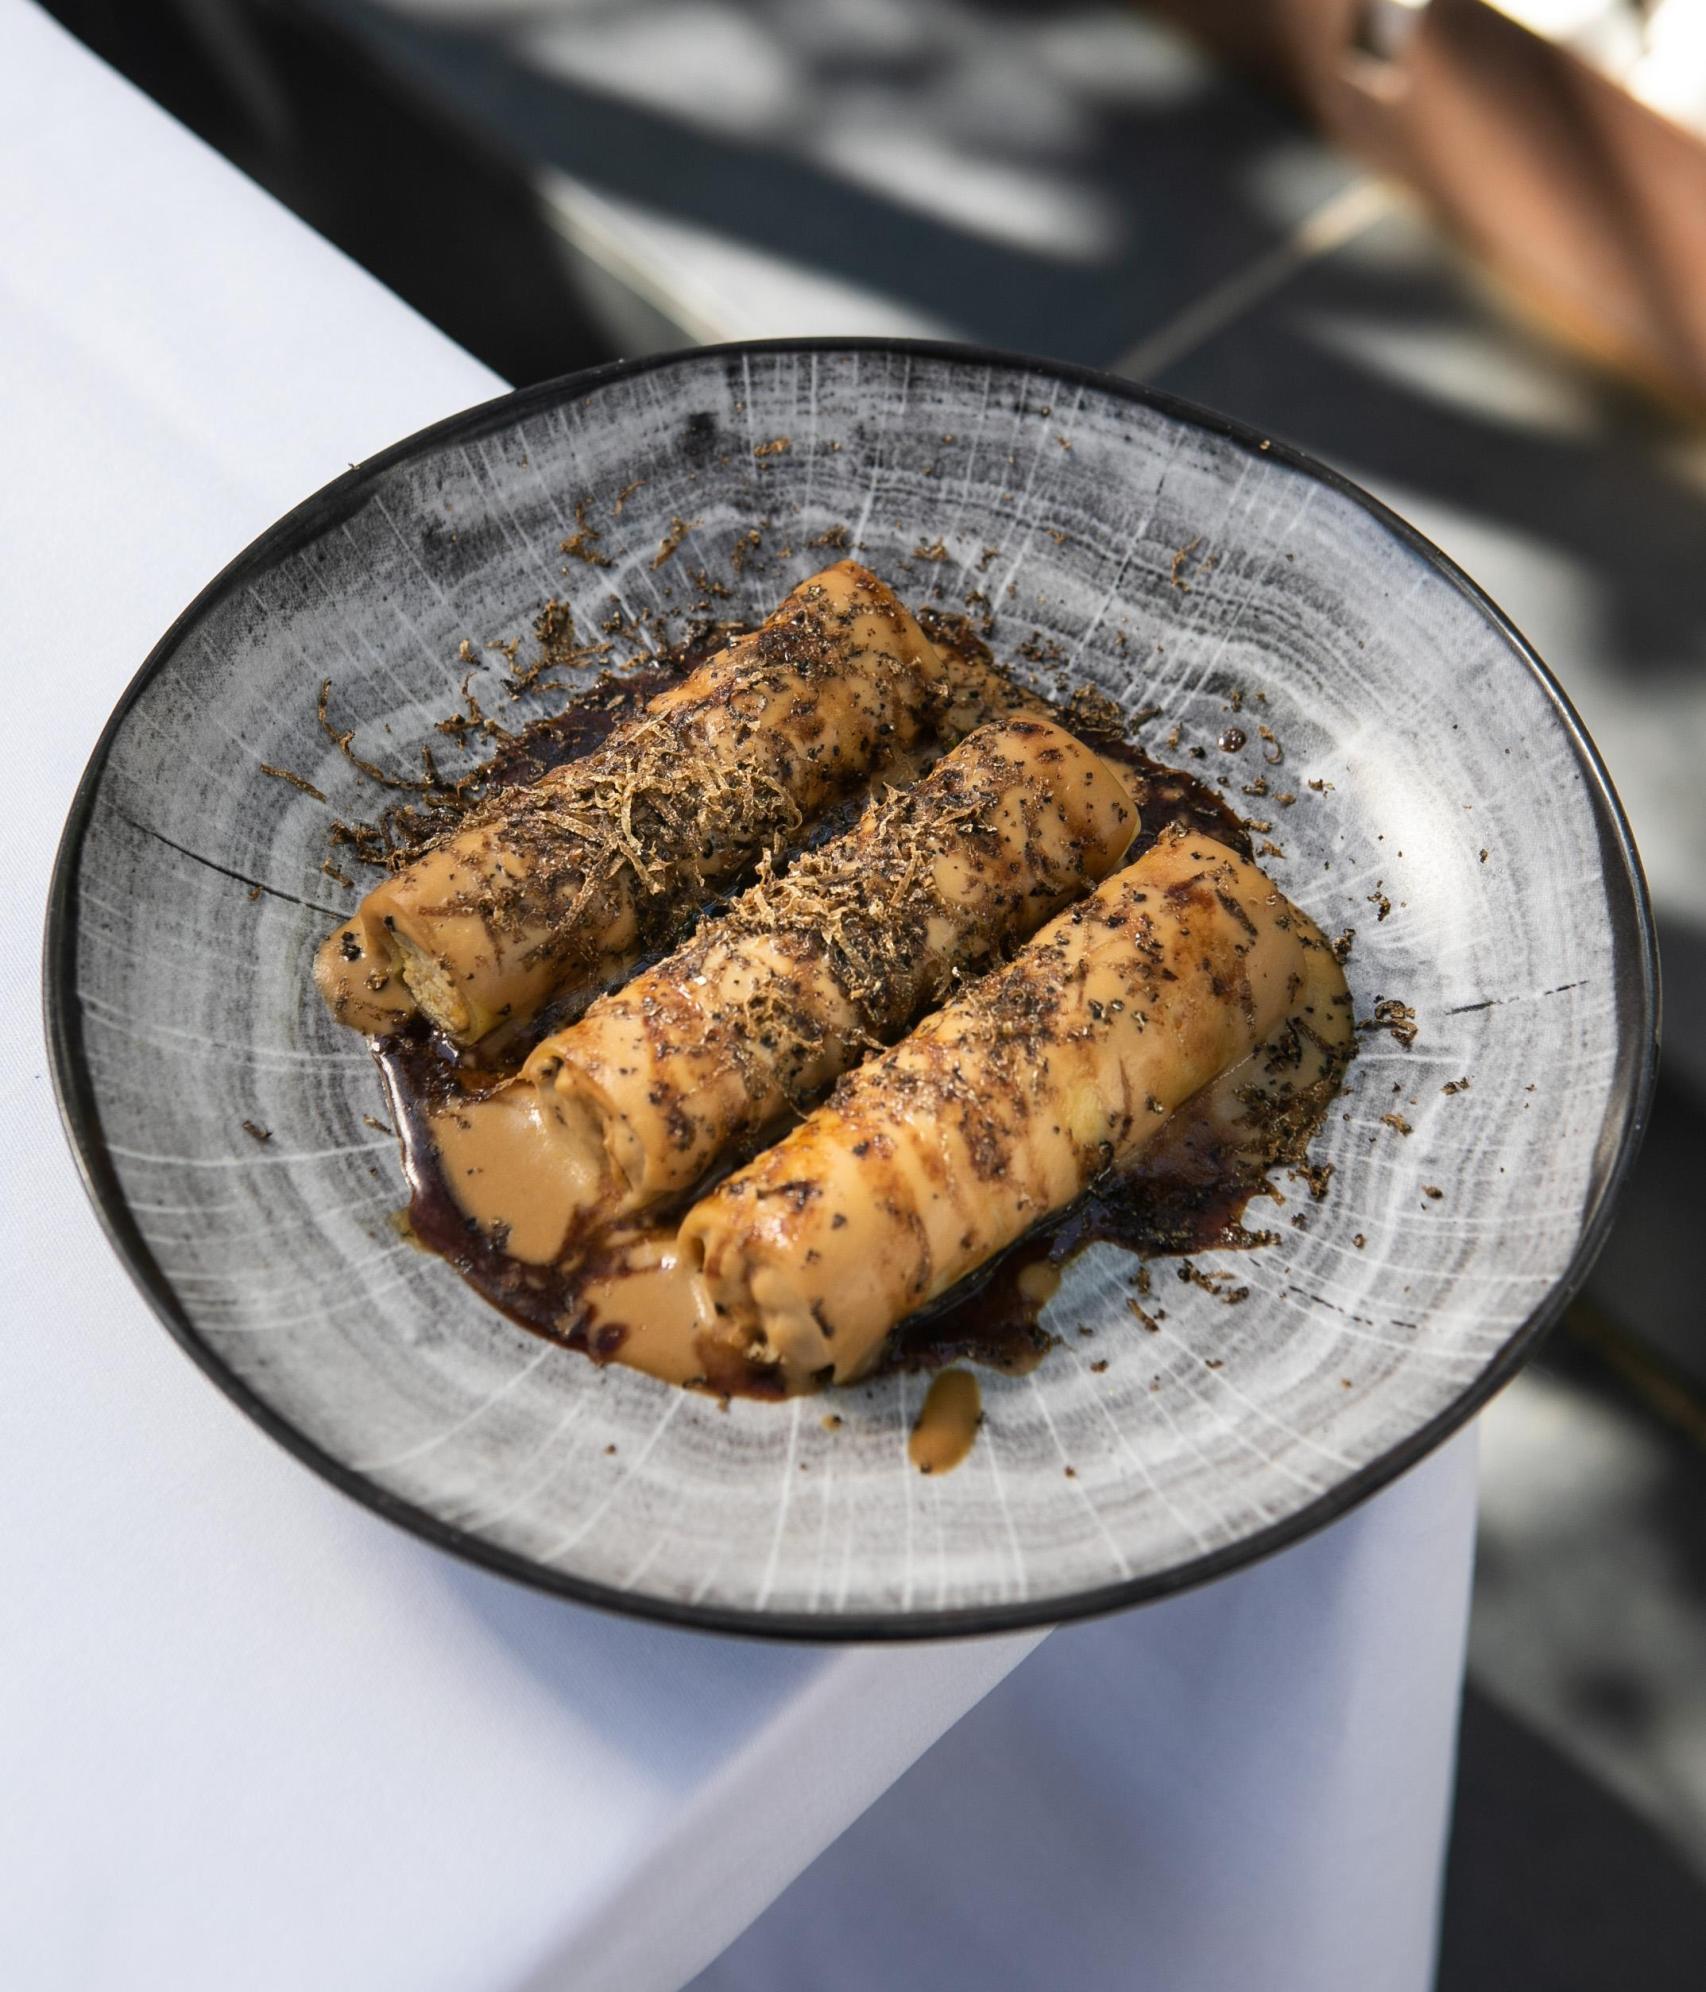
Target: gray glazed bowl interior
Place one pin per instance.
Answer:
(1142, 547)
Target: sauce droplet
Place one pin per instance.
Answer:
(947, 1422)
(1040, 1282)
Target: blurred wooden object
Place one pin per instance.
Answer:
(1586, 203)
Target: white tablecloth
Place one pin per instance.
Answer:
(251, 1735)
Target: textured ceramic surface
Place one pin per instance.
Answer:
(1462, 793)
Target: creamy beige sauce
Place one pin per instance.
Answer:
(947, 1422)
(1039, 1283)
(645, 1309)
(520, 1162)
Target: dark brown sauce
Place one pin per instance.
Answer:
(592, 715)
(1166, 795)
(1188, 1195)
(584, 723)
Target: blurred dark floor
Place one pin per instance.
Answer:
(1554, 1884)
(554, 181)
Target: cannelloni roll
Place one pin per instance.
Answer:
(1003, 1106)
(573, 875)
(769, 1003)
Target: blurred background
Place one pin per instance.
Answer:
(1457, 249)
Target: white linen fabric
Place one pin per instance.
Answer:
(249, 1733)
(1243, 1789)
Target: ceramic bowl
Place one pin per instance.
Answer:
(1448, 807)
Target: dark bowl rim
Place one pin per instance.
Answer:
(1634, 939)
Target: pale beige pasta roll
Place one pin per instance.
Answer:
(769, 1004)
(1002, 1107)
(569, 878)
(772, 1001)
